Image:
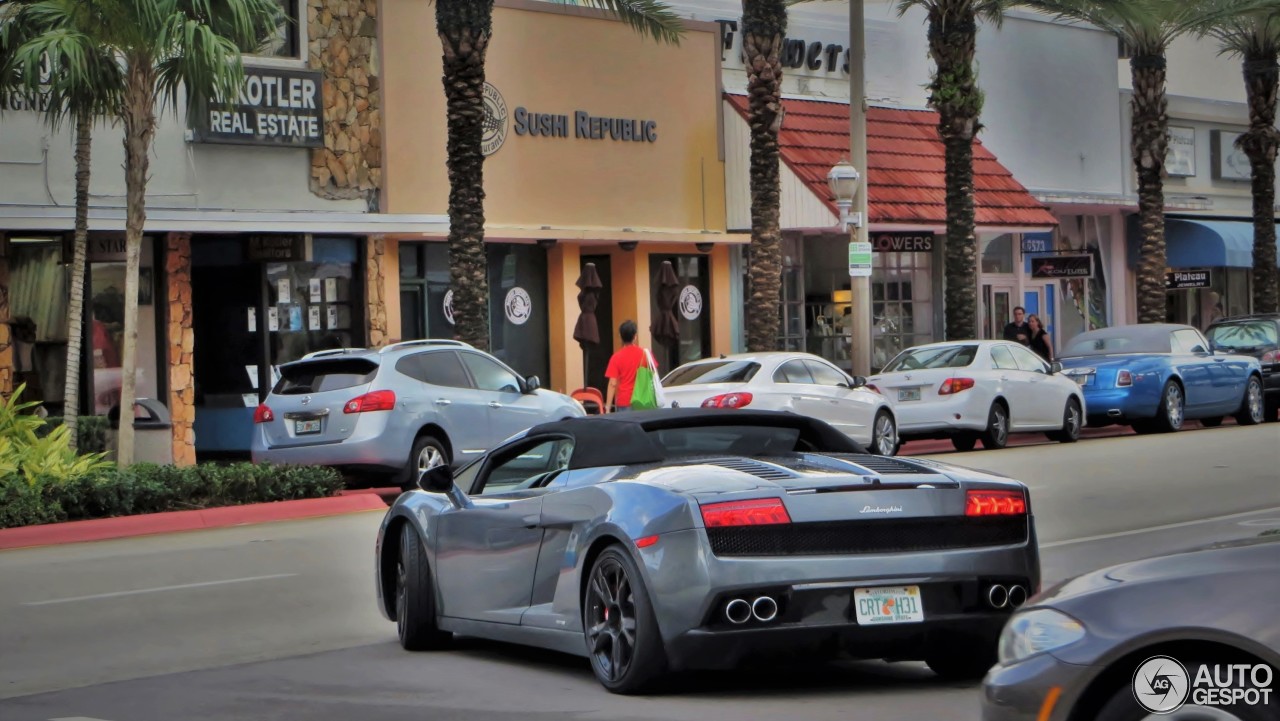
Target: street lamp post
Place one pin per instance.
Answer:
(860, 342)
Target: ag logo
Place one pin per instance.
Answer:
(495, 121)
(1161, 685)
(518, 306)
(690, 302)
(448, 307)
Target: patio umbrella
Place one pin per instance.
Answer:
(587, 330)
(666, 327)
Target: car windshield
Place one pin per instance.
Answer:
(328, 375)
(948, 356)
(1112, 342)
(1244, 336)
(724, 371)
(727, 439)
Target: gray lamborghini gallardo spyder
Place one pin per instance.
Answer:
(657, 541)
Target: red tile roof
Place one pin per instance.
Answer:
(906, 174)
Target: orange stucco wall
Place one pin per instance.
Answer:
(557, 60)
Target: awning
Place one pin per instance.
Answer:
(906, 166)
(1202, 243)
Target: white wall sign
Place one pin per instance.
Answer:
(690, 302)
(1229, 163)
(1181, 162)
(448, 306)
(518, 306)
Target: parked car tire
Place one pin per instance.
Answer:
(428, 452)
(964, 441)
(615, 598)
(1253, 406)
(1173, 409)
(1072, 423)
(997, 433)
(884, 434)
(416, 597)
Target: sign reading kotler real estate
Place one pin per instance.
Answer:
(275, 107)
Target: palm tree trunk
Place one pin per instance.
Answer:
(464, 27)
(1261, 77)
(75, 313)
(764, 23)
(139, 128)
(955, 94)
(1150, 143)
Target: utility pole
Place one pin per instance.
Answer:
(860, 328)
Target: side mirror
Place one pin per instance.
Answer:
(859, 381)
(1055, 368)
(437, 480)
(532, 384)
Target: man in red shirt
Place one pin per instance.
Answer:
(622, 369)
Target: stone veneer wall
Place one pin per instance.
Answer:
(181, 337)
(343, 42)
(375, 289)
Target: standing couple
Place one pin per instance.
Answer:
(1029, 332)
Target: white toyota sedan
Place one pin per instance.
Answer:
(799, 382)
(979, 390)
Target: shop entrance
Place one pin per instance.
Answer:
(691, 309)
(1039, 300)
(997, 308)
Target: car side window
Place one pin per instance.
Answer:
(1003, 359)
(489, 375)
(1029, 361)
(441, 368)
(528, 465)
(825, 375)
(1189, 341)
(793, 371)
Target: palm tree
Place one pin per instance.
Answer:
(465, 28)
(954, 93)
(1256, 38)
(79, 81)
(764, 25)
(1147, 28)
(162, 47)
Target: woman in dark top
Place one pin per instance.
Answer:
(1040, 341)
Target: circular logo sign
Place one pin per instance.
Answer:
(690, 302)
(495, 121)
(518, 306)
(1161, 685)
(448, 307)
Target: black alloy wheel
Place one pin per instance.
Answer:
(619, 627)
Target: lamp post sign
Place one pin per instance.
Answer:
(859, 260)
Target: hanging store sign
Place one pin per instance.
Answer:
(1062, 266)
(275, 107)
(902, 242)
(1187, 279)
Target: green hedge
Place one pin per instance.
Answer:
(150, 488)
(91, 432)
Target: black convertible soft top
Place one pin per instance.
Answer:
(619, 439)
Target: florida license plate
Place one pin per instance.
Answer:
(304, 427)
(908, 394)
(890, 604)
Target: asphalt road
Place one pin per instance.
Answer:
(277, 621)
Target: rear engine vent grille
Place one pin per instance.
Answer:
(844, 538)
(755, 468)
(885, 464)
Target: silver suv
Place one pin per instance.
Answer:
(408, 406)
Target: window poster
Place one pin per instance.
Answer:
(282, 291)
(313, 318)
(314, 286)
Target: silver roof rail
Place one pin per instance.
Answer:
(425, 342)
(332, 351)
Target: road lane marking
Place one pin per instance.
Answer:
(76, 718)
(1153, 529)
(117, 594)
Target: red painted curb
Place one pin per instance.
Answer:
(101, 529)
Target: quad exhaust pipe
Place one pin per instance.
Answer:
(999, 596)
(738, 611)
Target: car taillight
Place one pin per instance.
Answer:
(1124, 378)
(1271, 356)
(728, 400)
(873, 388)
(954, 385)
(263, 414)
(760, 512)
(375, 401)
(995, 503)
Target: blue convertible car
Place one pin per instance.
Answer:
(1155, 376)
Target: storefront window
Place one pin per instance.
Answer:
(104, 311)
(691, 308)
(996, 252)
(1228, 294)
(902, 303)
(38, 319)
(519, 328)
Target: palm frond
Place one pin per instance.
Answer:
(1255, 34)
(991, 11)
(1148, 26)
(651, 18)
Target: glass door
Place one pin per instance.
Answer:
(997, 308)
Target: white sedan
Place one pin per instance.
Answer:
(799, 382)
(980, 390)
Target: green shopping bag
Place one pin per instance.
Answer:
(645, 394)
